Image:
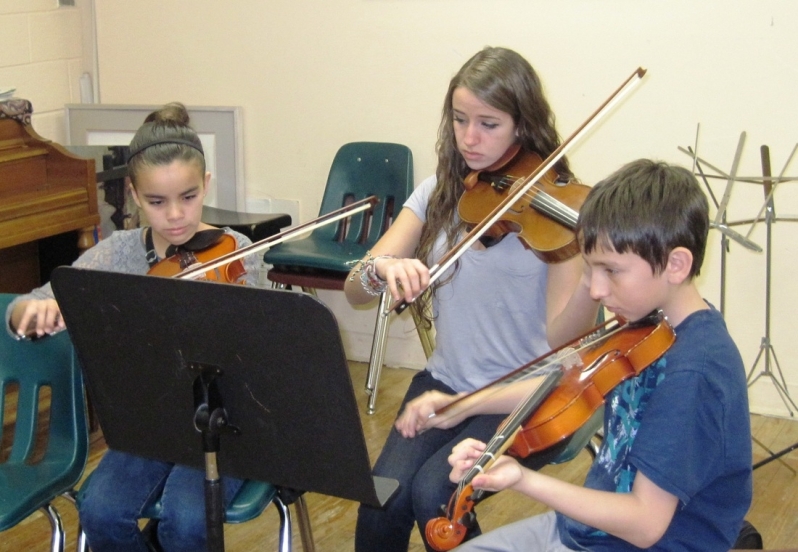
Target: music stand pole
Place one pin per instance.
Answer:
(210, 418)
(724, 239)
(766, 349)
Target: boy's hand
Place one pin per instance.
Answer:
(463, 456)
(502, 474)
(40, 317)
(417, 413)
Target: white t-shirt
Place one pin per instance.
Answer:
(491, 317)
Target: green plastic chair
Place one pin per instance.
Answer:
(248, 503)
(24, 486)
(320, 261)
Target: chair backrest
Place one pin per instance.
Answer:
(34, 366)
(359, 170)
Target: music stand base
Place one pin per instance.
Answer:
(775, 456)
(781, 386)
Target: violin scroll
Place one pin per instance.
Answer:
(446, 532)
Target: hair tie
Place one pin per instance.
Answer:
(165, 141)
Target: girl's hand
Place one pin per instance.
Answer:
(417, 413)
(407, 278)
(39, 317)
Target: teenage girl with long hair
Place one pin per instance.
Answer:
(496, 309)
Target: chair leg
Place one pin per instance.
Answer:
(285, 524)
(303, 520)
(57, 538)
(378, 346)
(594, 444)
(82, 544)
(424, 335)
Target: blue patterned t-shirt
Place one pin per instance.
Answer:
(684, 422)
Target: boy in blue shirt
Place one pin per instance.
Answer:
(674, 469)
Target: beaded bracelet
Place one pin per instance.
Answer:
(372, 283)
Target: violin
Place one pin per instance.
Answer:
(566, 399)
(544, 217)
(227, 254)
(176, 264)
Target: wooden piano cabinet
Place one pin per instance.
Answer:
(44, 191)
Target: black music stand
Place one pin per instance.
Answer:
(163, 356)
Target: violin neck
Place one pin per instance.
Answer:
(504, 437)
(555, 209)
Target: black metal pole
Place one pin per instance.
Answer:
(210, 418)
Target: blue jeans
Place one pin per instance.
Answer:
(123, 484)
(421, 467)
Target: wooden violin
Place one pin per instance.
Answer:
(565, 400)
(176, 264)
(227, 254)
(544, 217)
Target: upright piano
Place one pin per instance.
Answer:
(45, 191)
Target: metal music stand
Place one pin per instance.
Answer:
(177, 368)
(766, 350)
(720, 223)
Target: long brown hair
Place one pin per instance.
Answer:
(504, 80)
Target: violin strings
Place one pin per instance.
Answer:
(546, 203)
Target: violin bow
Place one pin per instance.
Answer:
(469, 239)
(542, 364)
(196, 271)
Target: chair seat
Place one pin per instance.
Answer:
(311, 254)
(251, 499)
(21, 497)
(308, 279)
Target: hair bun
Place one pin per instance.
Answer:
(174, 113)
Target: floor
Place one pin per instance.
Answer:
(774, 511)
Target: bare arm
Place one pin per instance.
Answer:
(407, 277)
(640, 517)
(419, 414)
(570, 312)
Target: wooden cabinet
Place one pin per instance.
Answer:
(44, 191)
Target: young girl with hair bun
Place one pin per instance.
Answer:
(168, 182)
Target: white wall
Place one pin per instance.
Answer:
(41, 55)
(314, 74)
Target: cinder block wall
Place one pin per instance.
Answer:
(41, 55)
